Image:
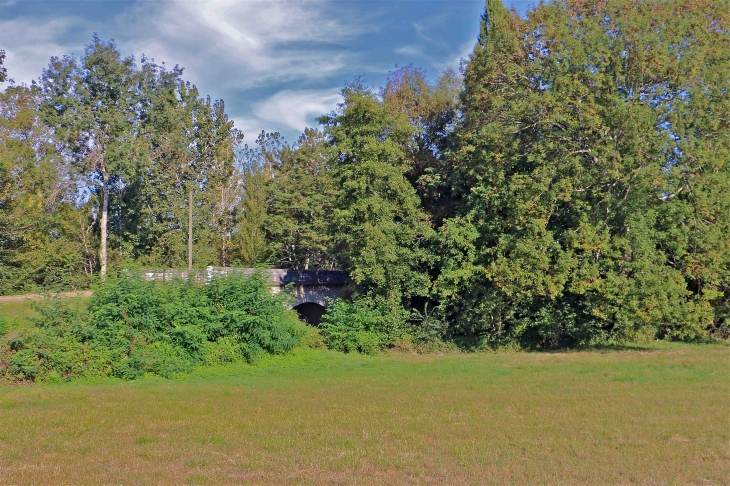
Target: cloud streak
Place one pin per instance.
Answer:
(245, 44)
(278, 64)
(298, 109)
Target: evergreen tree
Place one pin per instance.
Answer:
(378, 227)
(593, 163)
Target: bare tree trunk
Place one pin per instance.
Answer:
(190, 229)
(104, 217)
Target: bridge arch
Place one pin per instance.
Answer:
(310, 312)
(311, 290)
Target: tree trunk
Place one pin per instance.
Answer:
(190, 229)
(104, 214)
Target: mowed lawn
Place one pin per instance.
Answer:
(657, 415)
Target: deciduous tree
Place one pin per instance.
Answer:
(91, 104)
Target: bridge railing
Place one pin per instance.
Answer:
(275, 276)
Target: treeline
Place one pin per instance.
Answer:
(569, 185)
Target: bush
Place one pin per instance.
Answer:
(133, 327)
(362, 326)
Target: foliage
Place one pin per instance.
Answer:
(428, 327)
(432, 110)
(378, 226)
(3, 70)
(593, 167)
(192, 142)
(570, 186)
(45, 238)
(300, 197)
(362, 326)
(132, 327)
(92, 106)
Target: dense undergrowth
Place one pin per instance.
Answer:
(132, 327)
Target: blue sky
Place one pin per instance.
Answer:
(278, 65)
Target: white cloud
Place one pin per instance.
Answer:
(414, 50)
(465, 51)
(245, 44)
(227, 47)
(297, 109)
(29, 45)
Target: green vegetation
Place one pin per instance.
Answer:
(568, 189)
(594, 175)
(132, 327)
(570, 186)
(17, 315)
(3, 71)
(358, 327)
(643, 415)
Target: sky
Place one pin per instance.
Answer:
(278, 65)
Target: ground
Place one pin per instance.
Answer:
(654, 414)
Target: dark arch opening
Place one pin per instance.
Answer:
(310, 313)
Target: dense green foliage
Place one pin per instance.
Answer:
(133, 326)
(357, 326)
(569, 186)
(378, 225)
(46, 238)
(592, 166)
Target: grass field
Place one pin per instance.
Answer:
(17, 314)
(657, 415)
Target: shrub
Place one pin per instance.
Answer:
(132, 327)
(362, 326)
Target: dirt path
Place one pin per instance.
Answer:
(18, 298)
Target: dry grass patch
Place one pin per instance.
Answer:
(623, 417)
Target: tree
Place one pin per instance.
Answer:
(300, 198)
(378, 227)
(432, 111)
(249, 245)
(3, 70)
(42, 231)
(91, 104)
(593, 163)
(178, 202)
(256, 166)
(224, 181)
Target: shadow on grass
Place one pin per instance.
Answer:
(473, 344)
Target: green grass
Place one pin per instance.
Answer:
(18, 314)
(653, 415)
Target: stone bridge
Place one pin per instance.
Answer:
(310, 289)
